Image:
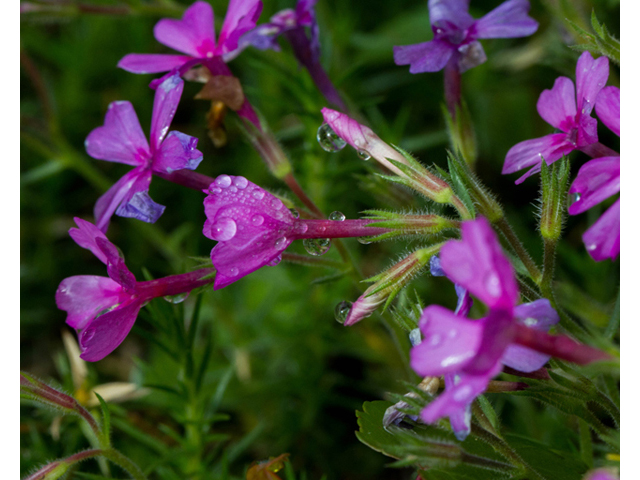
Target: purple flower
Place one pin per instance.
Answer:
(194, 35)
(469, 353)
(456, 35)
(597, 180)
(253, 228)
(121, 140)
(101, 309)
(568, 112)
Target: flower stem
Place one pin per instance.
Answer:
(559, 346)
(548, 268)
(452, 92)
(295, 187)
(125, 463)
(339, 229)
(175, 284)
(187, 178)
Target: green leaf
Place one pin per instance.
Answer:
(106, 421)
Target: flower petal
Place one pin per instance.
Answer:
(603, 238)
(85, 236)
(608, 108)
(508, 20)
(464, 299)
(165, 104)
(177, 152)
(531, 152)
(85, 296)
(449, 342)
(108, 203)
(105, 333)
(597, 180)
(241, 17)
(591, 77)
(252, 228)
(120, 139)
(429, 56)
(558, 106)
(193, 34)
(470, 55)
(449, 13)
(137, 204)
(116, 268)
(151, 62)
(478, 264)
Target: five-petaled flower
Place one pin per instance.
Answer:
(597, 180)
(194, 35)
(469, 353)
(122, 140)
(456, 35)
(567, 110)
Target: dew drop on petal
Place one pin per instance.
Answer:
(240, 182)
(316, 246)
(275, 261)
(433, 340)
(257, 220)
(233, 189)
(530, 322)
(492, 285)
(224, 229)
(179, 298)
(276, 203)
(329, 140)
(87, 335)
(364, 155)
(280, 242)
(295, 213)
(337, 216)
(342, 311)
(592, 247)
(258, 194)
(233, 272)
(223, 181)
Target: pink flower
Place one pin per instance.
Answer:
(122, 140)
(597, 180)
(567, 112)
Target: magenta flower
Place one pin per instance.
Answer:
(103, 310)
(194, 35)
(470, 353)
(456, 35)
(464, 299)
(121, 140)
(253, 228)
(597, 180)
(567, 112)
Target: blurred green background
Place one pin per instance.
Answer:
(294, 376)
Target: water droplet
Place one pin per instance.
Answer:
(224, 229)
(216, 190)
(276, 203)
(241, 182)
(223, 181)
(280, 243)
(275, 261)
(258, 194)
(364, 155)
(295, 213)
(453, 333)
(573, 198)
(179, 298)
(342, 311)
(415, 337)
(329, 140)
(233, 272)
(364, 240)
(434, 340)
(257, 220)
(233, 189)
(87, 335)
(493, 285)
(530, 322)
(316, 246)
(592, 247)
(337, 216)
(300, 228)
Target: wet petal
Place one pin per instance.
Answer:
(165, 104)
(508, 20)
(449, 342)
(558, 105)
(478, 264)
(603, 238)
(591, 77)
(429, 56)
(177, 152)
(85, 236)
(608, 108)
(120, 139)
(104, 334)
(597, 180)
(108, 203)
(84, 296)
(193, 34)
(151, 62)
(531, 152)
(241, 17)
(116, 268)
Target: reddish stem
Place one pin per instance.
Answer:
(339, 229)
(452, 93)
(187, 178)
(175, 284)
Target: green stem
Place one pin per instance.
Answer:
(125, 463)
(505, 229)
(546, 283)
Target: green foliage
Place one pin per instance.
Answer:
(602, 43)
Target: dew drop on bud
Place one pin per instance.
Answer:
(295, 213)
(258, 194)
(179, 298)
(364, 240)
(364, 155)
(572, 198)
(223, 181)
(316, 246)
(337, 216)
(329, 140)
(342, 311)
